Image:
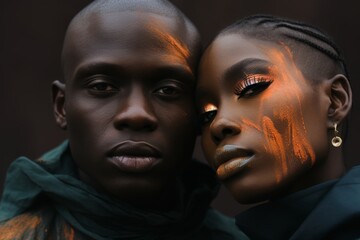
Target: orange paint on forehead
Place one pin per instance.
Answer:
(276, 147)
(175, 47)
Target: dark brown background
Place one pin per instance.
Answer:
(31, 34)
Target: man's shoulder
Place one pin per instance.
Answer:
(41, 223)
(32, 224)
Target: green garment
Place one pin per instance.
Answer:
(47, 195)
(330, 210)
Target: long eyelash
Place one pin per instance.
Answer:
(249, 81)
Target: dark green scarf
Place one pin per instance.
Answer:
(54, 177)
(330, 210)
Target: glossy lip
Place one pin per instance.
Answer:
(135, 157)
(231, 159)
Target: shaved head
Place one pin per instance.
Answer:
(187, 34)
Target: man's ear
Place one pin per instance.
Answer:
(58, 97)
(340, 99)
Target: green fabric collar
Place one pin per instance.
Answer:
(54, 176)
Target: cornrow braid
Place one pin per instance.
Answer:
(294, 30)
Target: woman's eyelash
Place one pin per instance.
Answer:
(252, 85)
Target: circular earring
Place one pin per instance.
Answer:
(336, 141)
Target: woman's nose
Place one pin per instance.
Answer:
(223, 127)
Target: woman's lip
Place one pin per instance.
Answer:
(228, 152)
(131, 156)
(232, 167)
(231, 159)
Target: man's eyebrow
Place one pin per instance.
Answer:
(177, 71)
(91, 68)
(250, 64)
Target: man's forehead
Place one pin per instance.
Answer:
(130, 30)
(114, 25)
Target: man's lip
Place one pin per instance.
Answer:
(228, 152)
(135, 149)
(134, 157)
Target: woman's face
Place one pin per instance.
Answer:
(263, 124)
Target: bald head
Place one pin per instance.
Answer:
(92, 17)
(161, 7)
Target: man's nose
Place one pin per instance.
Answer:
(136, 112)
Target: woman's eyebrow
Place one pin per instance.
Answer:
(240, 68)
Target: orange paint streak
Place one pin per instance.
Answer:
(297, 133)
(297, 136)
(175, 47)
(16, 227)
(276, 146)
(249, 124)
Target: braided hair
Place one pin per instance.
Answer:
(293, 33)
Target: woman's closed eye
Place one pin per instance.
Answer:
(252, 85)
(208, 114)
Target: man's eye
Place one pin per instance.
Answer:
(207, 117)
(102, 86)
(251, 86)
(168, 91)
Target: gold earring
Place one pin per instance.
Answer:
(336, 141)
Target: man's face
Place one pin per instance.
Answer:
(129, 105)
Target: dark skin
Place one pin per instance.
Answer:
(267, 129)
(128, 103)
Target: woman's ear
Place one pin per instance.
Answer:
(340, 96)
(58, 97)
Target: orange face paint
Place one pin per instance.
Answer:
(173, 46)
(295, 136)
(276, 147)
(246, 123)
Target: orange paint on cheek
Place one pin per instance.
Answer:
(297, 136)
(249, 124)
(276, 147)
(291, 111)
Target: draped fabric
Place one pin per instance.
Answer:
(48, 190)
(330, 210)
